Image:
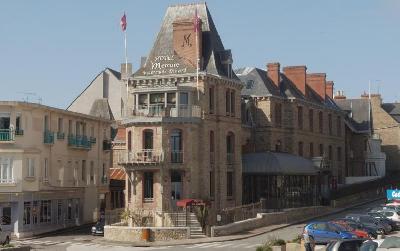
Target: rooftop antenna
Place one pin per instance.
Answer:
(28, 96)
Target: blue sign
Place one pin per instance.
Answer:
(393, 194)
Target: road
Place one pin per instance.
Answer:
(82, 241)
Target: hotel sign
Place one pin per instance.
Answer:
(163, 65)
(393, 194)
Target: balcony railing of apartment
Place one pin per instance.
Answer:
(230, 158)
(141, 156)
(19, 132)
(7, 135)
(60, 135)
(78, 141)
(157, 110)
(7, 181)
(48, 137)
(176, 156)
(107, 145)
(93, 140)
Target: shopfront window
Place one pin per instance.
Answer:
(45, 211)
(27, 213)
(6, 218)
(35, 212)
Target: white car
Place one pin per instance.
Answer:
(5, 236)
(391, 214)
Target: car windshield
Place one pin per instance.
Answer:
(336, 227)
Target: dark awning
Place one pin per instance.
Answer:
(277, 163)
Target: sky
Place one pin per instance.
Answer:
(51, 50)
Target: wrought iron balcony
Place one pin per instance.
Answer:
(176, 156)
(48, 137)
(141, 156)
(80, 142)
(7, 135)
(60, 135)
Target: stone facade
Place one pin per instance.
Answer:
(54, 167)
(132, 234)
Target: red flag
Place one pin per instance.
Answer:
(123, 22)
(196, 22)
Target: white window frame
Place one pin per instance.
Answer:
(30, 168)
(6, 170)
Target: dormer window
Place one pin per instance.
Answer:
(249, 84)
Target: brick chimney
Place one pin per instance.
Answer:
(273, 73)
(317, 82)
(184, 40)
(297, 74)
(329, 88)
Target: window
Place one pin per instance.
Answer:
(35, 212)
(59, 210)
(249, 84)
(278, 146)
(70, 127)
(183, 98)
(6, 218)
(60, 125)
(330, 153)
(232, 102)
(339, 126)
(176, 146)
(311, 119)
(84, 171)
(148, 139)
(321, 150)
(330, 124)
(92, 131)
(18, 123)
(69, 209)
(46, 123)
(171, 99)
(212, 184)
(311, 150)
(300, 149)
(45, 211)
(27, 213)
(148, 186)
(157, 98)
(91, 172)
(46, 169)
(211, 100)
(212, 154)
(278, 115)
(4, 120)
(339, 154)
(300, 117)
(129, 141)
(6, 170)
(227, 101)
(143, 101)
(76, 208)
(321, 122)
(104, 171)
(31, 167)
(229, 184)
(230, 148)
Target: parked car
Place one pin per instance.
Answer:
(389, 243)
(371, 230)
(325, 232)
(352, 245)
(5, 236)
(391, 214)
(367, 220)
(380, 216)
(98, 228)
(359, 232)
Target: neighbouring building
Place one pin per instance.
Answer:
(183, 130)
(364, 158)
(291, 122)
(53, 167)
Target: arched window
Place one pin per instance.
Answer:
(129, 141)
(230, 148)
(176, 146)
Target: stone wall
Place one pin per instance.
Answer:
(132, 234)
(267, 219)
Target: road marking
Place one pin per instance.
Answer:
(238, 245)
(225, 245)
(253, 246)
(211, 245)
(198, 245)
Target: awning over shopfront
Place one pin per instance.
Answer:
(277, 163)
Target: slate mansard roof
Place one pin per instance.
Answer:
(257, 84)
(357, 113)
(213, 50)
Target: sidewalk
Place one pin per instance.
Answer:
(238, 236)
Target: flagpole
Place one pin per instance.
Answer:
(126, 70)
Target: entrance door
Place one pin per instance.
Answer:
(176, 187)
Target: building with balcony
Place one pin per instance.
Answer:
(53, 169)
(182, 128)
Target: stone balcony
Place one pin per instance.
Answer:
(141, 157)
(163, 113)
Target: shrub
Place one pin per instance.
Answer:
(297, 239)
(276, 242)
(264, 248)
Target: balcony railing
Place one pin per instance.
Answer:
(186, 111)
(230, 158)
(7, 181)
(60, 135)
(107, 145)
(19, 132)
(7, 135)
(79, 142)
(48, 137)
(141, 156)
(176, 156)
(93, 140)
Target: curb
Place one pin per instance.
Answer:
(234, 238)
